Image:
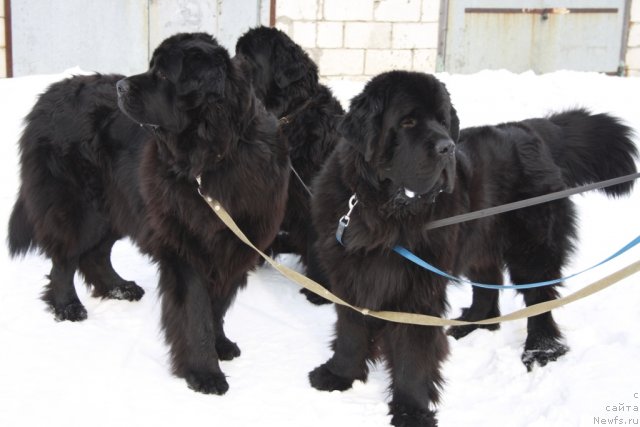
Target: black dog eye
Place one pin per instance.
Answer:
(408, 122)
(161, 76)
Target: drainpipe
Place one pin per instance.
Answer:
(7, 37)
(272, 13)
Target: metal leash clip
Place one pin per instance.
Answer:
(344, 221)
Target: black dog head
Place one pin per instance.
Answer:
(186, 71)
(277, 63)
(405, 128)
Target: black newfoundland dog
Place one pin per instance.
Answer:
(92, 173)
(405, 162)
(286, 80)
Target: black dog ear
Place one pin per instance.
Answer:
(454, 121)
(288, 64)
(361, 125)
(454, 127)
(209, 80)
(218, 66)
(214, 80)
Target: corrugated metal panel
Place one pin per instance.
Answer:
(536, 35)
(226, 19)
(49, 36)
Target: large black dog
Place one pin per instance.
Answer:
(400, 159)
(286, 80)
(91, 175)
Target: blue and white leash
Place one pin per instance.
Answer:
(422, 263)
(343, 223)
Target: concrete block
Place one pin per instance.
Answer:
(336, 62)
(414, 36)
(285, 25)
(635, 11)
(634, 35)
(424, 60)
(430, 11)
(297, 9)
(397, 10)
(380, 60)
(348, 10)
(330, 34)
(367, 35)
(304, 33)
(3, 62)
(633, 58)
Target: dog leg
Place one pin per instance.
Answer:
(95, 265)
(188, 322)
(484, 304)
(227, 349)
(314, 270)
(414, 355)
(352, 347)
(544, 339)
(60, 294)
(540, 247)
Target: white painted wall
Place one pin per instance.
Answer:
(360, 38)
(633, 49)
(354, 38)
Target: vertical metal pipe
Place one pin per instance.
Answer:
(7, 37)
(272, 13)
(623, 69)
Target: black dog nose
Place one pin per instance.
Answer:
(122, 86)
(444, 147)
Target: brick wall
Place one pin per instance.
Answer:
(633, 50)
(360, 38)
(3, 49)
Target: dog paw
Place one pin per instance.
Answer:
(227, 349)
(73, 312)
(458, 332)
(322, 378)
(401, 416)
(129, 291)
(314, 298)
(542, 350)
(207, 382)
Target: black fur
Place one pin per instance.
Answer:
(286, 80)
(397, 157)
(91, 175)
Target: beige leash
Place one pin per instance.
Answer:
(422, 319)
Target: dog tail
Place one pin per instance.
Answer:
(20, 238)
(592, 148)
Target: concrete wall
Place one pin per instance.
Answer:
(351, 38)
(3, 43)
(361, 38)
(633, 50)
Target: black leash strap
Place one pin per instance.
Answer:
(482, 213)
(295, 172)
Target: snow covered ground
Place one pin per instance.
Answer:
(112, 369)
